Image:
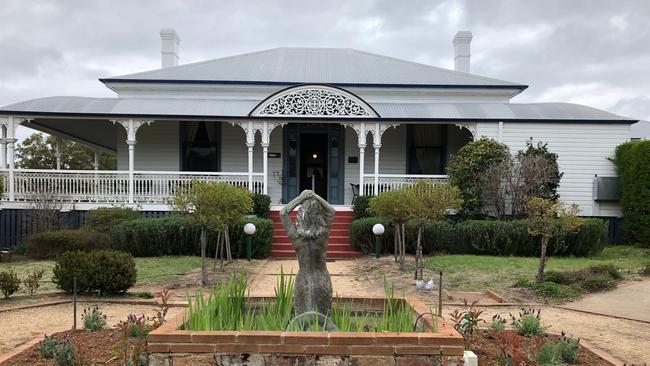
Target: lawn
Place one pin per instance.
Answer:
(477, 273)
(151, 270)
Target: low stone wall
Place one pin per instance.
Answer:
(169, 346)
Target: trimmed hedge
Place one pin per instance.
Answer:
(103, 272)
(633, 166)
(360, 207)
(47, 245)
(486, 237)
(104, 218)
(176, 235)
(261, 205)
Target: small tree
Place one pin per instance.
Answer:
(214, 207)
(393, 206)
(468, 166)
(548, 219)
(428, 202)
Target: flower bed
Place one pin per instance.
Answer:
(168, 345)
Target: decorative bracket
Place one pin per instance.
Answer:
(131, 126)
(361, 129)
(379, 129)
(469, 126)
(10, 123)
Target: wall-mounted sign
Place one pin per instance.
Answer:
(353, 160)
(274, 155)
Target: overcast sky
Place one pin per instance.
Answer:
(590, 52)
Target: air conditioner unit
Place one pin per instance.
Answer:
(606, 189)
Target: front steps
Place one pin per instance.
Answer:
(338, 247)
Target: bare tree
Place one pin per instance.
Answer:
(44, 211)
(508, 185)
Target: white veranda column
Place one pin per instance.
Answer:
(266, 128)
(3, 147)
(377, 132)
(250, 165)
(131, 127)
(58, 153)
(96, 161)
(10, 123)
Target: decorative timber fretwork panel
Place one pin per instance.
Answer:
(314, 101)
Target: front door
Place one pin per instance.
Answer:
(313, 159)
(313, 162)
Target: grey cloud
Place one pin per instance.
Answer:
(62, 47)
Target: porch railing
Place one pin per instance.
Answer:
(387, 182)
(101, 186)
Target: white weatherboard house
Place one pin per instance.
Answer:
(282, 120)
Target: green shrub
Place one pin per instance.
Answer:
(633, 167)
(47, 347)
(552, 290)
(360, 207)
(362, 238)
(529, 325)
(469, 163)
(261, 205)
(484, 237)
(175, 235)
(20, 249)
(262, 239)
(560, 277)
(66, 354)
(33, 280)
(608, 270)
(103, 272)
(547, 355)
(9, 283)
(567, 349)
(93, 319)
(104, 218)
(645, 270)
(47, 245)
(597, 282)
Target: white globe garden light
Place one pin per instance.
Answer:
(250, 228)
(378, 229)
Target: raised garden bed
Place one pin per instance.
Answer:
(170, 345)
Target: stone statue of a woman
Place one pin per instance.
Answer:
(309, 236)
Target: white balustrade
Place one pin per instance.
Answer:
(101, 186)
(388, 182)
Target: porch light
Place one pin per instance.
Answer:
(249, 230)
(315, 156)
(378, 230)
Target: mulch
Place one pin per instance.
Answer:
(96, 347)
(487, 351)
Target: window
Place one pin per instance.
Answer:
(427, 145)
(200, 146)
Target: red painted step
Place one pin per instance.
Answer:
(338, 244)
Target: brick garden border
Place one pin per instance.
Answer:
(168, 340)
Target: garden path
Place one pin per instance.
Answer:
(345, 279)
(629, 300)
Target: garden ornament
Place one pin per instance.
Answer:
(309, 236)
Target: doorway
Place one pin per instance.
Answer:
(313, 157)
(313, 163)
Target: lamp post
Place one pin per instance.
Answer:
(378, 230)
(249, 230)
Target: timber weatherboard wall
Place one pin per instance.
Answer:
(583, 150)
(157, 147)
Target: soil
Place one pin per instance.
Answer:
(96, 347)
(19, 326)
(487, 350)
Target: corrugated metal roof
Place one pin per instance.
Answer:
(338, 66)
(219, 108)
